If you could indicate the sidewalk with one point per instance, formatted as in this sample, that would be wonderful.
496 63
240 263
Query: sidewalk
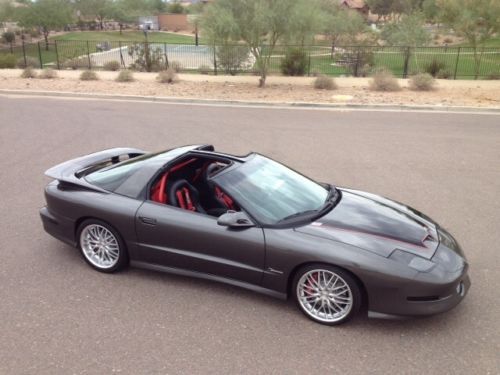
278 89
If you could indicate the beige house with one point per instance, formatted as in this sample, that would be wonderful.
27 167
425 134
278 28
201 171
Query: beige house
357 5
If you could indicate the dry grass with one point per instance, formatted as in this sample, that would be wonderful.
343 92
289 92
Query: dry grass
384 80
125 76
48 74
324 83
88 75
168 76
29 72
422 82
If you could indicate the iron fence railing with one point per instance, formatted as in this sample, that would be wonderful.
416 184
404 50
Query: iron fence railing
444 62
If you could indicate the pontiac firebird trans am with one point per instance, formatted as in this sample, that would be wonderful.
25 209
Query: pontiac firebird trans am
252 222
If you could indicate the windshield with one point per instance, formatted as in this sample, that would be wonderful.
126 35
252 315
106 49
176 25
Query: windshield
270 191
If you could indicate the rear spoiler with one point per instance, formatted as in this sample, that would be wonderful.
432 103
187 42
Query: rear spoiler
71 170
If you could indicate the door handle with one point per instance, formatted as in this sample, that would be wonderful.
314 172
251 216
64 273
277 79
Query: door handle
147 220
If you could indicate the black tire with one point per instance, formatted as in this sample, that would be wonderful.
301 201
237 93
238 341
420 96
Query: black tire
121 250
306 299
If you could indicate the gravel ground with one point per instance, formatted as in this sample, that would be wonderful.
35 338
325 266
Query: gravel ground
278 89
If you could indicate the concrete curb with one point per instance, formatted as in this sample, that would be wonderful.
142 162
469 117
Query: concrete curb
257 104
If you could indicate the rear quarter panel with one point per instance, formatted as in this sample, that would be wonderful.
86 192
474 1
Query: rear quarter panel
71 205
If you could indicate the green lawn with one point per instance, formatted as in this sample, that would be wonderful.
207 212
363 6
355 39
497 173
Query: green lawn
129 36
454 59
493 42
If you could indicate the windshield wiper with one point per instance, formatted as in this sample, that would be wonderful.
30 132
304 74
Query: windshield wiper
298 214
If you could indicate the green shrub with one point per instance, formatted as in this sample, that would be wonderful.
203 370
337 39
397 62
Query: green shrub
88 75
9 37
231 58
147 58
434 67
444 74
48 74
384 80
76 63
7 61
125 76
422 82
112 65
29 72
324 83
34 33
30 61
294 63
176 66
167 76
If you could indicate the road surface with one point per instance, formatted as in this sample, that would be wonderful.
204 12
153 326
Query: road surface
58 316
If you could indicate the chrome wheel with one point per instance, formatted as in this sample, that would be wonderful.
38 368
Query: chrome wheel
324 295
99 246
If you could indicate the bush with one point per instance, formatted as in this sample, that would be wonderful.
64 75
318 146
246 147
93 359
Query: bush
324 83
34 33
383 80
48 74
176 66
422 82
231 58
360 62
294 63
146 58
28 72
448 40
30 61
204 69
167 76
76 63
125 76
7 61
9 37
112 65
88 75
434 67
493 76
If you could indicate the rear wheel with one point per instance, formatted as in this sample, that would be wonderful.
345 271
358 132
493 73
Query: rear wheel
102 246
326 294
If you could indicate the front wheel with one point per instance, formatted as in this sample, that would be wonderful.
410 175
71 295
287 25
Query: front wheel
102 246
326 294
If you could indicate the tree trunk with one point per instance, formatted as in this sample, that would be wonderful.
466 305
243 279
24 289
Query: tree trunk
262 80
477 62
46 37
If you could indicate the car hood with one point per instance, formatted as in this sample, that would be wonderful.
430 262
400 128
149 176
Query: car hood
376 224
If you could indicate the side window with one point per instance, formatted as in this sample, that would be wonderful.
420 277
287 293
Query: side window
187 185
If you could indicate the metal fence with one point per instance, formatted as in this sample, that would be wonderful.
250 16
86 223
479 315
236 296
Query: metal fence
444 62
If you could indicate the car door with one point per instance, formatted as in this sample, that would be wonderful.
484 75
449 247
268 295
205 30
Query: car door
174 237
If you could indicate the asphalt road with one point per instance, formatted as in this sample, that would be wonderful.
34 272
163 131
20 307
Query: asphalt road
58 316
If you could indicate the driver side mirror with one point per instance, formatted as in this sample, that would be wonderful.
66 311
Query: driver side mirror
235 219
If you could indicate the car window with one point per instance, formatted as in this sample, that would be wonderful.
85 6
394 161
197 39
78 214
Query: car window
270 191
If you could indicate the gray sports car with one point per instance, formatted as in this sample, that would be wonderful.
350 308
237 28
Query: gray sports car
252 222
